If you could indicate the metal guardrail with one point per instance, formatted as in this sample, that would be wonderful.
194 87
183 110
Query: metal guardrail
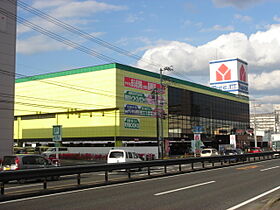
44 173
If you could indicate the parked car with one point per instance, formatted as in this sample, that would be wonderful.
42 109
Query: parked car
26 161
254 150
208 152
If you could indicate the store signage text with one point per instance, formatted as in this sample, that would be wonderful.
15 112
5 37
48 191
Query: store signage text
132 123
141 84
142 97
231 86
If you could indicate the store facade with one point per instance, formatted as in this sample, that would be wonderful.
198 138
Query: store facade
116 104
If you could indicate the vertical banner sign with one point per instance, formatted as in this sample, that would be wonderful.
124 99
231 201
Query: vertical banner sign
57 132
196 136
233 140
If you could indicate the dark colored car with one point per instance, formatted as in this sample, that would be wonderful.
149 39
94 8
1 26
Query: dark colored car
26 161
234 152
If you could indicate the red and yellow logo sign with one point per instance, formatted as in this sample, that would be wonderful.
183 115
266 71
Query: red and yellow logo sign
223 73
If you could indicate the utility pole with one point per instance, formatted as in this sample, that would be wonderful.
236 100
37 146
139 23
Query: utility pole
155 97
161 114
255 124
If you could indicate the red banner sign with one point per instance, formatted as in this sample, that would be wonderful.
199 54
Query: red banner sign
141 84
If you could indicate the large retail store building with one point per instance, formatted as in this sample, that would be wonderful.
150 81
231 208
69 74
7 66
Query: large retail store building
118 104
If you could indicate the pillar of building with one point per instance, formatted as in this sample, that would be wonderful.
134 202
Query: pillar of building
7 74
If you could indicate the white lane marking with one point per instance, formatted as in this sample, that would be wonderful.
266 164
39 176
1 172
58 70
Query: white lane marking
183 188
254 198
270 168
114 185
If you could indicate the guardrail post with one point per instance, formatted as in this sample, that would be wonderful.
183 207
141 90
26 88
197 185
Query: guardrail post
213 164
2 188
149 171
78 179
129 173
192 166
180 167
254 159
45 183
222 162
259 157
106 176
165 169
203 166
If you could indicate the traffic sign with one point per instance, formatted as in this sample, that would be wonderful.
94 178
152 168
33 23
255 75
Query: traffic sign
198 129
57 132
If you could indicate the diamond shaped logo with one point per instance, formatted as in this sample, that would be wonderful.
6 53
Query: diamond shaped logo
223 73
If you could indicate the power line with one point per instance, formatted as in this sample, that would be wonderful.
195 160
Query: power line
80 33
57 37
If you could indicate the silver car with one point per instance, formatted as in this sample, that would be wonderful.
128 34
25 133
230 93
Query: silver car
22 161
26 161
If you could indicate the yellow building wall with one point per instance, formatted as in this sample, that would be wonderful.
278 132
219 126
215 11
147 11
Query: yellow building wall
91 124
67 95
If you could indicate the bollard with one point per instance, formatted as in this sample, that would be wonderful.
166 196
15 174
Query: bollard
2 188
45 183
78 179
129 174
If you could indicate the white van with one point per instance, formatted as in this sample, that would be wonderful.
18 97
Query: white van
208 152
122 156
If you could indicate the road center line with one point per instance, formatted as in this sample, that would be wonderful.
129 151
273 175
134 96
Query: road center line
269 168
254 198
184 188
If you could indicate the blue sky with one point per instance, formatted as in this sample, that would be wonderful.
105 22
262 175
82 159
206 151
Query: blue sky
186 34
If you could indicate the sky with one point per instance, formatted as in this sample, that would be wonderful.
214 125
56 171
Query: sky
151 34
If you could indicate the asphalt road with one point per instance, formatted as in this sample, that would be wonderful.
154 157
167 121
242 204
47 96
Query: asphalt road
222 188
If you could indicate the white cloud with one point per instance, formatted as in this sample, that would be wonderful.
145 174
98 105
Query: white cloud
276 18
83 9
72 12
38 43
188 23
218 28
241 4
261 50
43 4
265 80
132 18
243 18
